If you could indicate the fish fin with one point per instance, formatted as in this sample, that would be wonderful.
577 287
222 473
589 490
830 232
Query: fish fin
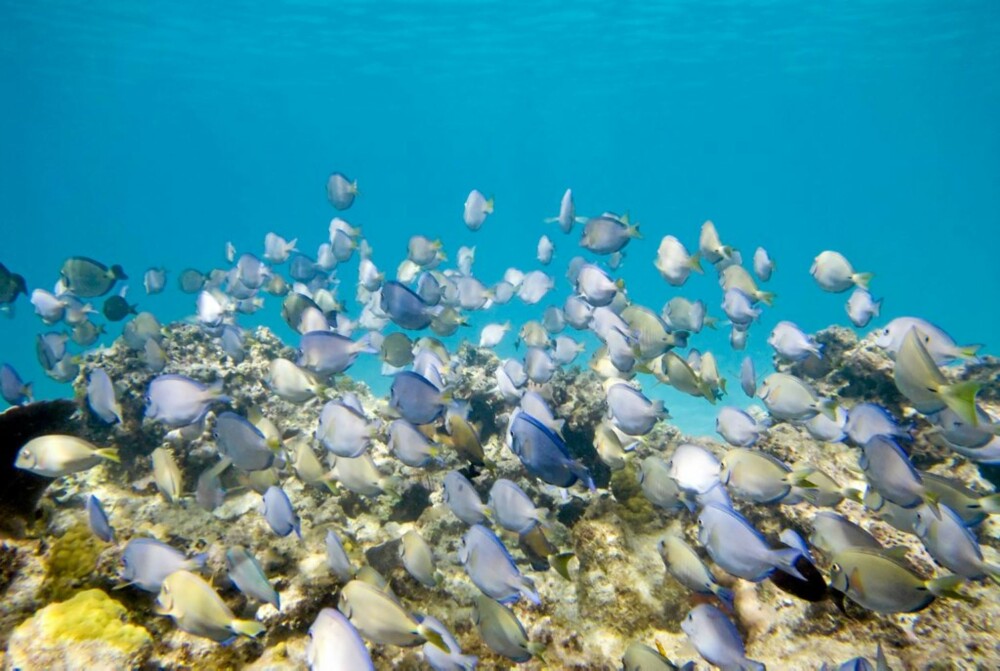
118 272
750 665
560 562
550 220
633 231
526 586
800 478
785 560
947 586
620 283
27 391
433 637
766 297
897 552
248 628
853 494
726 596
969 351
828 407
863 279
109 453
961 399
854 580
536 649
694 263
582 474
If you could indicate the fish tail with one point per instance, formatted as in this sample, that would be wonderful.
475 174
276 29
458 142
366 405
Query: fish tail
961 399
488 207
197 561
766 297
969 351
990 504
248 628
109 453
633 231
862 279
726 596
750 665
947 586
550 220
785 560
27 391
118 272
800 478
694 263
433 637
560 562
537 649
354 188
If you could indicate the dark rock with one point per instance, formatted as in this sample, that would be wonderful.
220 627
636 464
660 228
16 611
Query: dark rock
411 504
385 557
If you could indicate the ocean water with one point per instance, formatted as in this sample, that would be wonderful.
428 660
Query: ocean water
150 134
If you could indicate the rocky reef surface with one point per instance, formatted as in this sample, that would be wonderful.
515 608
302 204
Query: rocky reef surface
64 607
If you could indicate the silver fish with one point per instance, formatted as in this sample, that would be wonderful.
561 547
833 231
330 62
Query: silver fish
491 567
249 577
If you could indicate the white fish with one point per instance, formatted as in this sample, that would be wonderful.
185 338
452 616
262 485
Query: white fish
56 455
835 274
763 266
534 286
791 343
545 250
674 262
737 427
102 398
941 346
277 249
477 208
335 645
861 307
711 247
492 334
567 213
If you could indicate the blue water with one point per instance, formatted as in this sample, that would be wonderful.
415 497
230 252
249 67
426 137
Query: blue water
150 134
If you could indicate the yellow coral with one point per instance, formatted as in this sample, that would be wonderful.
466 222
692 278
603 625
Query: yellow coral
89 616
72 559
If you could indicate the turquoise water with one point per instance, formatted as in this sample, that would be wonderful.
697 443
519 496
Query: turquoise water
151 134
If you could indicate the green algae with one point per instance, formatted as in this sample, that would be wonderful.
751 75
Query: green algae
92 615
634 508
72 559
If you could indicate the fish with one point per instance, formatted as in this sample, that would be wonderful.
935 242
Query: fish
249 577
748 377
343 429
243 443
176 400
502 632
759 477
101 397
608 233
693 468
789 398
791 344
208 491
641 657
405 308
462 499
939 345
544 454
918 378
146 563
327 354
738 307
567 213
534 286
453 659
657 485
49 307
86 278
867 420
11 286
610 448
197 609
410 445
492 334
681 314
154 280
336 557
711 247
630 410
674 262
359 475
833 533
951 544
835 274
13 389
738 548
341 191
970 506
491 568
891 474
279 513
884 584
335 645
595 286
861 307
191 281
512 508
763 266
277 249
380 618
56 455
167 475
715 638
97 519
416 398
545 250
116 308
477 208
464 437
684 564
292 383
418 558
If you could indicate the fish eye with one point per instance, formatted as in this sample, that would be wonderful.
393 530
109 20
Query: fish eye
835 568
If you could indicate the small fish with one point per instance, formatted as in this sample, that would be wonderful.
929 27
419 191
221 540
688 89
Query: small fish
951 544
608 233
380 618
491 568
335 645
828 430
477 208
688 569
658 486
492 334
154 280
609 446
101 397
87 278
12 388
711 247
738 306
595 286
415 398
918 378
98 520
736 277
867 420
534 286
292 383
512 508
502 632
684 315
464 437
748 377
359 475
789 398
418 558
738 548
545 250
630 410
116 308
191 281
641 657
279 513
835 274
891 474
243 443
453 659
791 344
737 427
763 266
971 506
341 191
567 213
674 262
336 557
715 638
167 475
208 492
147 562
884 584
694 468
48 306
544 454
178 401
410 445
861 307
462 499
941 346
56 455
11 286
249 577
833 533
404 307
759 477
198 610
86 333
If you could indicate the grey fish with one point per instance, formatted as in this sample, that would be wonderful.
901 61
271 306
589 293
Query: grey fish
715 638
737 427
154 280
415 398
608 233
687 568
658 486
502 631
191 281
891 474
208 491
630 410
243 443
279 513
453 659
942 347
343 429
146 562
380 618
951 544
512 508
249 577
918 378
12 388
641 657
418 558
738 548
567 213
491 567
867 420
404 307
97 519
410 445
177 400
886 585
335 645
86 333
462 499
336 557
326 353
198 610
101 397
341 191
833 533
87 278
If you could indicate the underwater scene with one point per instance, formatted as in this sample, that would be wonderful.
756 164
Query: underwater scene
487 335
